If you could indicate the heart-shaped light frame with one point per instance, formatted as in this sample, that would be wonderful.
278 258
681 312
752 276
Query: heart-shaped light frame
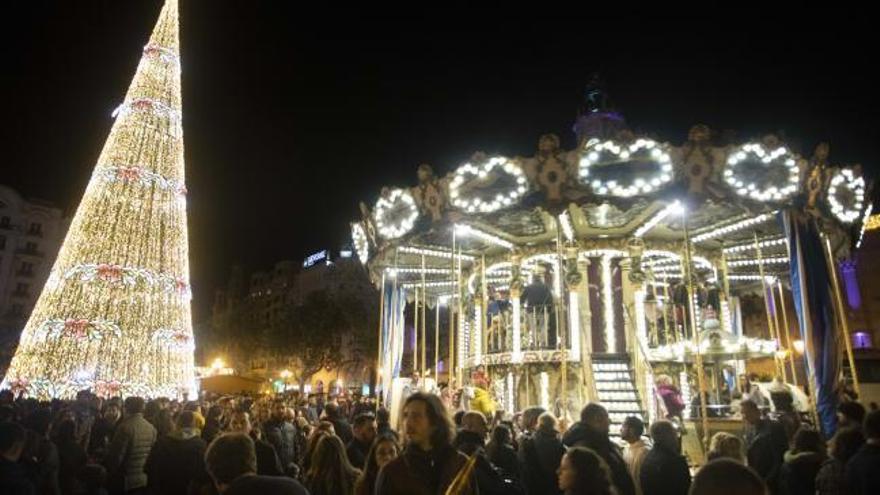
501 200
609 152
846 178
396 198
757 152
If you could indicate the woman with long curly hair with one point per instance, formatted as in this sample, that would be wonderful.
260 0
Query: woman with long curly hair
583 472
384 450
330 472
323 429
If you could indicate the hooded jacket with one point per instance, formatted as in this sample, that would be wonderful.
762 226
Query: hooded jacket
798 473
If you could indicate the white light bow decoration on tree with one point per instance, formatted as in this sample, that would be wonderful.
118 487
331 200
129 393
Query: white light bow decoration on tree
489 186
396 214
754 172
608 157
846 195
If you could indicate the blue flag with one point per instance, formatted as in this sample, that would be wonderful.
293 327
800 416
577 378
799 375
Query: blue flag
813 294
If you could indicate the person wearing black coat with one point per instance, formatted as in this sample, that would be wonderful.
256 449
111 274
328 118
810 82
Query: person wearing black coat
501 453
664 470
13 479
340 425
539 456
862 472
766 443
470 440
592 432
40 456
176 463
213 424
267 459
364 434
103 429
281 434
71 456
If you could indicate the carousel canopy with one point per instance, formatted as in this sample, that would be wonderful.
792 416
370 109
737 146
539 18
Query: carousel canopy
613 188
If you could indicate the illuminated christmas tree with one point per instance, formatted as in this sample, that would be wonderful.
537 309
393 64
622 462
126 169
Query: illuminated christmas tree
114 315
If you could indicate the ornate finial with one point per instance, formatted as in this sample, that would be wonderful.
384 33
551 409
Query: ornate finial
596 117
595 97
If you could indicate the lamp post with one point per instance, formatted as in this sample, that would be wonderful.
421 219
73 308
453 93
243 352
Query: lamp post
217 366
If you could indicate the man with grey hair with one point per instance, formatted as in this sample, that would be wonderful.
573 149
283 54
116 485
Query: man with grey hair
664 470
540 455
232 463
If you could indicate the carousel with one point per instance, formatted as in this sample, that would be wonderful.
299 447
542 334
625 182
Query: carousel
588 274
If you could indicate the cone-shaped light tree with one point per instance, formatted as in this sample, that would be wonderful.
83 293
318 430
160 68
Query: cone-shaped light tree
114 315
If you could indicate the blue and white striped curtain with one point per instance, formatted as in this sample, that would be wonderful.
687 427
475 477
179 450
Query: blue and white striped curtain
814 302
392 336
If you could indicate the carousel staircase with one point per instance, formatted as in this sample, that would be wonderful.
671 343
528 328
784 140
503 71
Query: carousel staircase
615 385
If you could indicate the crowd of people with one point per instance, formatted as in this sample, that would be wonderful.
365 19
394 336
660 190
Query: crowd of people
328 446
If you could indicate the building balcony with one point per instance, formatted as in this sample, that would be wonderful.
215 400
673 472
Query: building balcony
30 252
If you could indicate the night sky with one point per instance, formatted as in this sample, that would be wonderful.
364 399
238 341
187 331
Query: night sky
292 117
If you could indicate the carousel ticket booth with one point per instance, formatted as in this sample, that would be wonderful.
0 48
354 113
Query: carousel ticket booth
591 274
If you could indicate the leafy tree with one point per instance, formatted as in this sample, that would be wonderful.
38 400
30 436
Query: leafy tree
312 331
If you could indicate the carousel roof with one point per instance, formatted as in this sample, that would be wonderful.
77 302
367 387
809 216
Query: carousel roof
615 186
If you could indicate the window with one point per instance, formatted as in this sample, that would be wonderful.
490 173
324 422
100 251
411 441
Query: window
17 310
4 222
2 242
31 247
21 288
26 268
36 228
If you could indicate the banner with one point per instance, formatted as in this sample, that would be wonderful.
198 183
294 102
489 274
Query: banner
392 336
813 294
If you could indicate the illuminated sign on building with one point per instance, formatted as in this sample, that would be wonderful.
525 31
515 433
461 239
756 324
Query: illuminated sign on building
320 256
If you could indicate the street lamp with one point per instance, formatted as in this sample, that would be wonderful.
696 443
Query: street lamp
217 365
